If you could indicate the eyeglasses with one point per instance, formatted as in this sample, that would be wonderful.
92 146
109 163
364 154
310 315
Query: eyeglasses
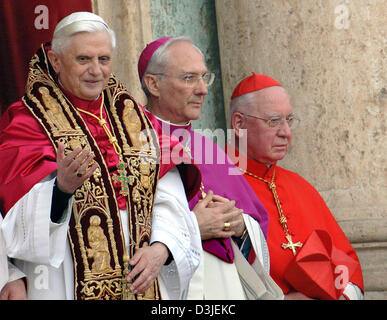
277 122
192 79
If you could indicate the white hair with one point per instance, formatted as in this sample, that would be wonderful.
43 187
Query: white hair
159 60
245 102
241 103
75 23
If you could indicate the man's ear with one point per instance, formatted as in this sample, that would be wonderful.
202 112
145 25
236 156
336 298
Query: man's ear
238 123
53 57
152 83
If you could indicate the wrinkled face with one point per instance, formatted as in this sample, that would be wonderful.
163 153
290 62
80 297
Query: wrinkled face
178 102
85 65
265 144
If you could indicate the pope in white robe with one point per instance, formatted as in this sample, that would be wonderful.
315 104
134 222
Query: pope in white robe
41 247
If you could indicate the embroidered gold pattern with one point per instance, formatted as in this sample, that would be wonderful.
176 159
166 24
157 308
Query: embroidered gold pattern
96 236
98 247
55 116
133 126
126 294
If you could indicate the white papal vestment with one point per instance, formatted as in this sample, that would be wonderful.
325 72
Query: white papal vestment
41 248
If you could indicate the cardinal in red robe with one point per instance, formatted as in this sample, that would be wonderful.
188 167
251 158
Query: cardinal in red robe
310 256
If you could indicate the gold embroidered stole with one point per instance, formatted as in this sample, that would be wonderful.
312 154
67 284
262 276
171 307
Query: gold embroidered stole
95 231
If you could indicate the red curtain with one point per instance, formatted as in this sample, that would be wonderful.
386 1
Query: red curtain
24 25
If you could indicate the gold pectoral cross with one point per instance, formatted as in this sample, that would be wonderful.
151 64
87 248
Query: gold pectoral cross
123 179
290 245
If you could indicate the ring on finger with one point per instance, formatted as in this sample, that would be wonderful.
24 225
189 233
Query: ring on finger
226 226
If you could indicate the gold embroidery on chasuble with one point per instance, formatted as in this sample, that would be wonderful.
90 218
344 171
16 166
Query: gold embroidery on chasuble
95 232
98 246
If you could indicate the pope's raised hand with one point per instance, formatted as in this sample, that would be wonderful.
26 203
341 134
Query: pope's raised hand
73 169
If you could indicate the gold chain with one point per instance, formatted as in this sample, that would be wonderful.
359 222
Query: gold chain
282 219
102 122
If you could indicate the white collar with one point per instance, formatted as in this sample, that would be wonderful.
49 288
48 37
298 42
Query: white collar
168 122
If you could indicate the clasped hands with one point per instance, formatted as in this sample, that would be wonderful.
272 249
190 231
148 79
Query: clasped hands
74 169
214 212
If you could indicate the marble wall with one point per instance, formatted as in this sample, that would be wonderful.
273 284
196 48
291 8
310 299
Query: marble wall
331 57
197 20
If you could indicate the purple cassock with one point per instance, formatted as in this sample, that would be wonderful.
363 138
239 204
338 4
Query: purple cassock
221 176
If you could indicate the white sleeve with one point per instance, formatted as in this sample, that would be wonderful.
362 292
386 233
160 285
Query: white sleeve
258 241
3 260
353 292
28 231
14 272
8 272
176 226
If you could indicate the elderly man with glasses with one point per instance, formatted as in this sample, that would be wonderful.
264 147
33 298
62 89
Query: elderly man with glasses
175 79
303 234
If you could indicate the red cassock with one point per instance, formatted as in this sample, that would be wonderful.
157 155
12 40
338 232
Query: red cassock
326 251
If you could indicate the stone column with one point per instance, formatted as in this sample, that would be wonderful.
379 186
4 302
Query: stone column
331 57
130 19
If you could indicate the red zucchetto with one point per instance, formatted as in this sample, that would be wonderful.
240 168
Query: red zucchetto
253 83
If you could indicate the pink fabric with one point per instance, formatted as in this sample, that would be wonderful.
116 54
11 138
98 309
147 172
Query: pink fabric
172 153
216 176
26 155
